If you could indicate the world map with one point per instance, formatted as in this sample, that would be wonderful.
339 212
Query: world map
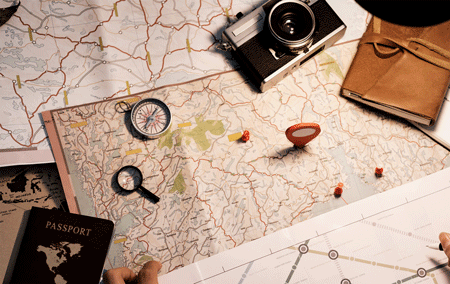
57 254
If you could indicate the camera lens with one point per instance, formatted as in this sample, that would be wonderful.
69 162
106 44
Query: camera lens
288 24
292 24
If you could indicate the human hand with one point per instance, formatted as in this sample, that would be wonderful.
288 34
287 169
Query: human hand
444 238
122 275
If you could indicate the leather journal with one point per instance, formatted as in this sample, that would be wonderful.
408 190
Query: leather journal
401 70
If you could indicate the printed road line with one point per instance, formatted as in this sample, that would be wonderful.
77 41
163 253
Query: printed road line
385 265
318 252
244 275
373 263
18 149
363 261
295 266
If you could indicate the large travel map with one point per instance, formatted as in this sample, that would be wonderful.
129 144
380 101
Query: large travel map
217 193
55 54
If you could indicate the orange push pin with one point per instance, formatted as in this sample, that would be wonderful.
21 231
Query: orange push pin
378 172
338 190
302 133
246 136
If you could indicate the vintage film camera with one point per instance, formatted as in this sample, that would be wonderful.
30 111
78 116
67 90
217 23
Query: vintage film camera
280 36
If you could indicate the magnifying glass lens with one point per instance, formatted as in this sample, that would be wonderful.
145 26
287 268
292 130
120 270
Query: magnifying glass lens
129 178
129 182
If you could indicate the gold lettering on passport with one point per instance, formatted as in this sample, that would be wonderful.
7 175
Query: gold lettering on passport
68 228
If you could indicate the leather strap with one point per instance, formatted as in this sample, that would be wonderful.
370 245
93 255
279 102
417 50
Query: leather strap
399 44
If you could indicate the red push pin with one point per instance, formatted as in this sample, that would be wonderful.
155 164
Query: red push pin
338 190
246 136
302 133
378 172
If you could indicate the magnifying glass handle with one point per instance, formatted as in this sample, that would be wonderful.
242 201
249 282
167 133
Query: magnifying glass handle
152 197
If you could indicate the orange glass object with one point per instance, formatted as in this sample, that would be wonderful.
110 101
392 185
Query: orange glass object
302 133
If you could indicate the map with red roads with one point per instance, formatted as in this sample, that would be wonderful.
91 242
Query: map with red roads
216 193
64 53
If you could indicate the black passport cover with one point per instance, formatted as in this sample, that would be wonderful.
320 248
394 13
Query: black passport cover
60 247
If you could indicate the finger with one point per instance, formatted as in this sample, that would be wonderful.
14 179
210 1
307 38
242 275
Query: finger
444 238
119 275
149 273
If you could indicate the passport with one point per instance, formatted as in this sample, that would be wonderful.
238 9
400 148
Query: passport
61 247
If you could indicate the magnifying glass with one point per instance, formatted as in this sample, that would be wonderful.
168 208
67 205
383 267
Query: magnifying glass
129 178
302 133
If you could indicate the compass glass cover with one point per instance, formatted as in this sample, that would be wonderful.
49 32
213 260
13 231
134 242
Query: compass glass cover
151 117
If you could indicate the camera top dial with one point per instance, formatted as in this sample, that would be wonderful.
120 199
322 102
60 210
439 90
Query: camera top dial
292 24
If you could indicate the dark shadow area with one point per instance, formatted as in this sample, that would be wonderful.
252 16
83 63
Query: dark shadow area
417 13
289 151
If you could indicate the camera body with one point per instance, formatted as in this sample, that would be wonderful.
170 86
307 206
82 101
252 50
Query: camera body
279 36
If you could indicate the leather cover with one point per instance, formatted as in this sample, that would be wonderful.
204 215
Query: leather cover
403 68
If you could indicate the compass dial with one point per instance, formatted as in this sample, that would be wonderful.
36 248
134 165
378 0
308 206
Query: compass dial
151 117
